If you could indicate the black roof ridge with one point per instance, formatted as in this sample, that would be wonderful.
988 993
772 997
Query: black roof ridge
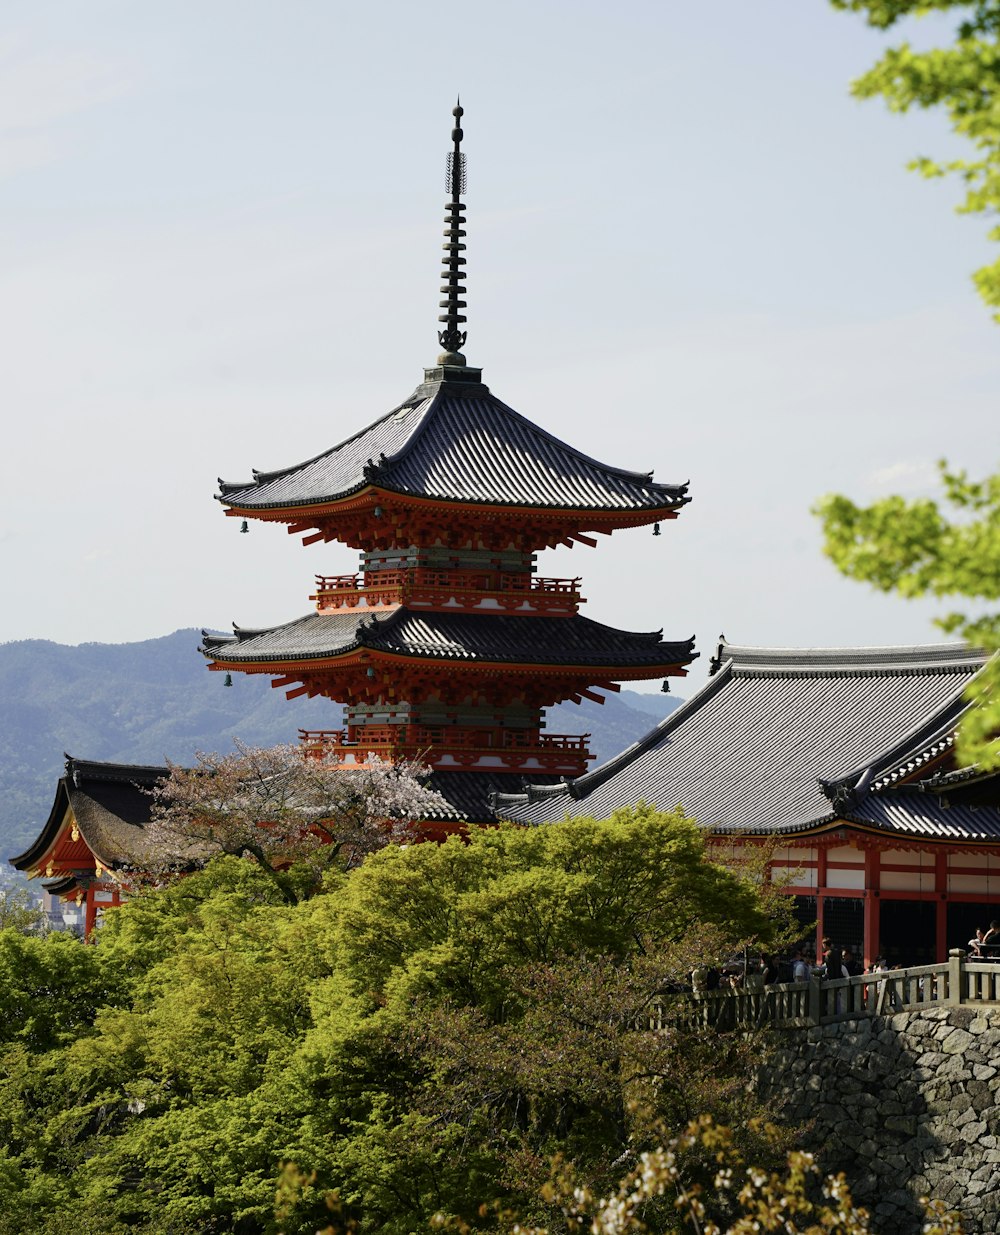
444 392
595 777
363 618
873 659
127 773
75 771
436 394
262 478
937 782
634 634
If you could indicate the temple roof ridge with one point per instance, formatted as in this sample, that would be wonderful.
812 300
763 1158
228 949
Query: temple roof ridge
625 473
765 751
578 786
227 487
112 770
841 661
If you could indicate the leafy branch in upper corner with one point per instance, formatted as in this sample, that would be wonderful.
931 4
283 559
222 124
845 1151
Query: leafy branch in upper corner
964 79
940 548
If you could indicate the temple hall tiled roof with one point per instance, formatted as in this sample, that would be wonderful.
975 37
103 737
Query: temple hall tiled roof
490 638
110 803
780 740
454 441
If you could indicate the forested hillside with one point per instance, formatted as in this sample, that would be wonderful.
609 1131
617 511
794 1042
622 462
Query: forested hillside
155 700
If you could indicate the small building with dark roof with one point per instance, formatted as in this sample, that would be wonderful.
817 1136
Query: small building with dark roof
95 831
844 759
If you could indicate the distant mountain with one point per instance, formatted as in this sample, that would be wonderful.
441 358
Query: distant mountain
155 700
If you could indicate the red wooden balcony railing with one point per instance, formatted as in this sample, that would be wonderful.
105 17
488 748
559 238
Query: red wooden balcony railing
437 586
436 743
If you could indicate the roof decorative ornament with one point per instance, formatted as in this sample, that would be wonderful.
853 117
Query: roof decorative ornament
452 339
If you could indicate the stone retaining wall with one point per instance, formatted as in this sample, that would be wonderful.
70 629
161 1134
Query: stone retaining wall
906 1105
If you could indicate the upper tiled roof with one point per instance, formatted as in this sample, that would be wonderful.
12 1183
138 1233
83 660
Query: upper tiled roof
452 440
493 638
779 740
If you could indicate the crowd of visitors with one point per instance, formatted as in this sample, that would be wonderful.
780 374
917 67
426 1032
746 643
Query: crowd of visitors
754 973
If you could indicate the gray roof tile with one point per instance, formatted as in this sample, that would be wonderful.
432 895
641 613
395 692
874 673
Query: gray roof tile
457 442
758 748
492 638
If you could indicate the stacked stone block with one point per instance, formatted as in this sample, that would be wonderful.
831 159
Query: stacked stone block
908 1106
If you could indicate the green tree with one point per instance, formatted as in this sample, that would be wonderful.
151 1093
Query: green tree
489 1006
940 548
19 911
422 1034
964 79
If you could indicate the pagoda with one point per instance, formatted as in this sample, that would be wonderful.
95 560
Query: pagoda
446 646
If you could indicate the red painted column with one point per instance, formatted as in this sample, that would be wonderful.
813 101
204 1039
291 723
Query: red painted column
941 907
873 905
90 914
821 853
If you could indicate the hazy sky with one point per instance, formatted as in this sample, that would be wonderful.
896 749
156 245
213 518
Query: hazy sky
689 250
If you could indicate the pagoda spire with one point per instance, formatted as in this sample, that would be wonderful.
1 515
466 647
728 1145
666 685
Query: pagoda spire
452 339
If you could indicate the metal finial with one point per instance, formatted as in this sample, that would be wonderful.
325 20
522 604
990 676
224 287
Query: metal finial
452 339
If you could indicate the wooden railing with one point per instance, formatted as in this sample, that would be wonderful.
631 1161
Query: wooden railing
383 584
381 738
822 1002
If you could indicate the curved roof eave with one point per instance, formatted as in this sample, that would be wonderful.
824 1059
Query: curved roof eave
49 833
260 478
378 470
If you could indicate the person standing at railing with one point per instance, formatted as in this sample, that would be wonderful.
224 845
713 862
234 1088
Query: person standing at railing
833 961
887 991
975 944
801 969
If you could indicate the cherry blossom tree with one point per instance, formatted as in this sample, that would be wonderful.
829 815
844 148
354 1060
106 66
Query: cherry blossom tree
293 812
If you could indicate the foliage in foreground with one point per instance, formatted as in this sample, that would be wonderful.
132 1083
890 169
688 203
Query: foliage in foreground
795 1199
423 1036
667 1190
964 80
930 548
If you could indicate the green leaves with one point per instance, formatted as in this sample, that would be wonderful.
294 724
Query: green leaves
949 547
964 79
420 1036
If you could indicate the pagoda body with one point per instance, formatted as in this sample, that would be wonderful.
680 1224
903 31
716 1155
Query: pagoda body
446 646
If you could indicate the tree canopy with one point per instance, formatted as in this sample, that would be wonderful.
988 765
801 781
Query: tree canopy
964 80
421 1036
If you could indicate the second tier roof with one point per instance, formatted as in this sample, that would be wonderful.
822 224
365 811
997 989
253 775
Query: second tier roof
478 638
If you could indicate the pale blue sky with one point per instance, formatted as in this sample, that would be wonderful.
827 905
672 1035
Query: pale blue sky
689 250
